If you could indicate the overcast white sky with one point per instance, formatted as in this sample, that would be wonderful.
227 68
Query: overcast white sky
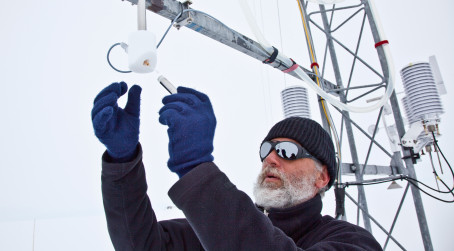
53 65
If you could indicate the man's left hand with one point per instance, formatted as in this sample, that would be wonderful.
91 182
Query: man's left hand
192 123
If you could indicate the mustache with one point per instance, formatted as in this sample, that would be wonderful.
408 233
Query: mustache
267 171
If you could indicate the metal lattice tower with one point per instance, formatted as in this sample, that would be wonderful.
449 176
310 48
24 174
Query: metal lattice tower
323 26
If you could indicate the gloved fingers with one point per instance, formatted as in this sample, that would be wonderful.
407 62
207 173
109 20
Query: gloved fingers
110 100
177 106
203 97
101 119
133 105
186 98
118 88
170 112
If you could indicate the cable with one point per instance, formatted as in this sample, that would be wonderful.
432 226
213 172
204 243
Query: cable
433 169
280 36
438 157
414 182
108 59
433 189
438 147
170 26
442 200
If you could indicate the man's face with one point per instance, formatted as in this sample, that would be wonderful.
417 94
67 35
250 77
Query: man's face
284 183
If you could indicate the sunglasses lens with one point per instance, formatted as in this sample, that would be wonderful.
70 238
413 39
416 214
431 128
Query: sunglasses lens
265 149
287 150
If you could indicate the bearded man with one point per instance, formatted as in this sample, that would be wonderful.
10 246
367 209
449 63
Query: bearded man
298 164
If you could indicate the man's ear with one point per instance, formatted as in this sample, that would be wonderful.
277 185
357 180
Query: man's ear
323 178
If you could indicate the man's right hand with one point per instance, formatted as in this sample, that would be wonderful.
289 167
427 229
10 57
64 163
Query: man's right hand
117 128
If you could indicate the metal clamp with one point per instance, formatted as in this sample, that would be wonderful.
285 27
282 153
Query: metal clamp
188 19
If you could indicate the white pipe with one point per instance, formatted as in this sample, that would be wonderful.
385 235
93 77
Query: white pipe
253 25
141 15
262 41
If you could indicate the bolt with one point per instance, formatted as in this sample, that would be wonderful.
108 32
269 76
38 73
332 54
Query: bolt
189 20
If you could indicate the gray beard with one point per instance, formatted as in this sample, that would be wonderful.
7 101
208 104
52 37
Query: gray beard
293 191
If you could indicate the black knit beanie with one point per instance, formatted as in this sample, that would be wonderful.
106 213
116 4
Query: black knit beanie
311 136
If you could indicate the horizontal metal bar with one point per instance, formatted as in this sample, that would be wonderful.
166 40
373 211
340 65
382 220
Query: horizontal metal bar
373 181
361 86
349 169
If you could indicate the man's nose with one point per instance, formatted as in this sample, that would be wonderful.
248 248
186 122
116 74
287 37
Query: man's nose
273 159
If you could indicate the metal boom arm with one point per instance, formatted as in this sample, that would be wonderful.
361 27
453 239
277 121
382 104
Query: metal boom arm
211 28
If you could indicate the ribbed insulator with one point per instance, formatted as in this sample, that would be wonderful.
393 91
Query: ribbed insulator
295 102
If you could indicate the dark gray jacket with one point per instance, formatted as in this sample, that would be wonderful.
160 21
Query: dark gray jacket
218 216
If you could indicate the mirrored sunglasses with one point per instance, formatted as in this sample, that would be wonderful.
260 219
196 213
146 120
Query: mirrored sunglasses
285 149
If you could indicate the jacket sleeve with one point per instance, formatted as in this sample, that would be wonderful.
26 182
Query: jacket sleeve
131 221
223 217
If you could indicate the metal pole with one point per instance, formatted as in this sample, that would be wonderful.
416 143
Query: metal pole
424 228
348 125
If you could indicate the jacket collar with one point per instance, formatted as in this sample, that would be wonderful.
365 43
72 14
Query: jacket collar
296 221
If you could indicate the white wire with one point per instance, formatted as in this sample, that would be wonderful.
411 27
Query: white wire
266 46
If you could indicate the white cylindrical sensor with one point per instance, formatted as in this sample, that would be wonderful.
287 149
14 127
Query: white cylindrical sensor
142 51
295 102
423 100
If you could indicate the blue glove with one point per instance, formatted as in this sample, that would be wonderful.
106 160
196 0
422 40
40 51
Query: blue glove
117 128
191 122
